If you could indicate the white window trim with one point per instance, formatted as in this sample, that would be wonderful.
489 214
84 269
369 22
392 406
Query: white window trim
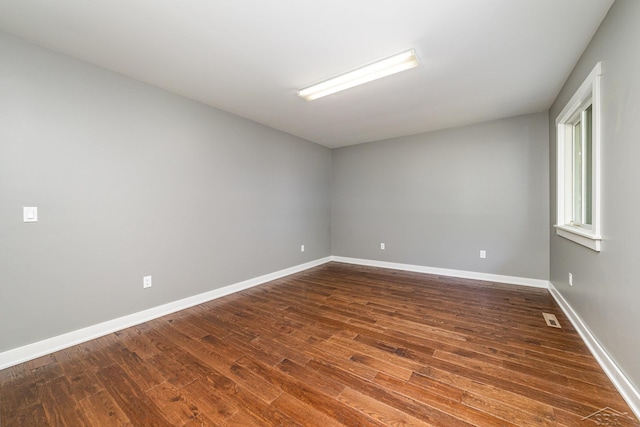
589 91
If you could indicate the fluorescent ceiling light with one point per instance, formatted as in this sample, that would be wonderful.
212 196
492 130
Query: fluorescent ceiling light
386 67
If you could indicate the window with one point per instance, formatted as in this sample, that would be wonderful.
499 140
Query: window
578 136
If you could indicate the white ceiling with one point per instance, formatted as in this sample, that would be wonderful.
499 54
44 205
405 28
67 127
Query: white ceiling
480 59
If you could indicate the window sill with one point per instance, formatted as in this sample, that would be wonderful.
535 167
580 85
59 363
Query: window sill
579 236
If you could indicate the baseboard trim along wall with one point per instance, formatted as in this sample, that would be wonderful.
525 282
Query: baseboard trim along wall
41 348
50 345
513 280
628 391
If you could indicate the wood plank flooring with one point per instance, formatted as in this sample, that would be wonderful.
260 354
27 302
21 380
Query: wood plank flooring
334 345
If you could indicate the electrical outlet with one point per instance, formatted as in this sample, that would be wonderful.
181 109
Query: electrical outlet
146 282
483 254
570 279
382 246
30 214
301 248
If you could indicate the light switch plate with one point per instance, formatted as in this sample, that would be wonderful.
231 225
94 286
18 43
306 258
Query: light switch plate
30 214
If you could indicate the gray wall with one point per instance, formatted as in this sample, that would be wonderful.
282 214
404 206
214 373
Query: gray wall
606 291
437 199
131 181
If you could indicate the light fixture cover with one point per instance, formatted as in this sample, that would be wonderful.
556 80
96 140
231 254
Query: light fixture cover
385 67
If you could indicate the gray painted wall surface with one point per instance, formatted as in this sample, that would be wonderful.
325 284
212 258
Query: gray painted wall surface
437 199
131 181
606 291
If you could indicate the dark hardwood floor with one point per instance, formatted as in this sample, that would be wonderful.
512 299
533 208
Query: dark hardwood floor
334 345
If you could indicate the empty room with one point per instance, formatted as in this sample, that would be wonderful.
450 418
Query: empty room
338 213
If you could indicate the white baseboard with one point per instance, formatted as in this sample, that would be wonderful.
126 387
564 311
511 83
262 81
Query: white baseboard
31 351
60 342
513 280
628 391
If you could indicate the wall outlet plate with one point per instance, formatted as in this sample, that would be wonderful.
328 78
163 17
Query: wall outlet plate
146 282
30 214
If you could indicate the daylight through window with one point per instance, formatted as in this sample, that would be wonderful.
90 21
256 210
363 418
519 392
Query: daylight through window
578 127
